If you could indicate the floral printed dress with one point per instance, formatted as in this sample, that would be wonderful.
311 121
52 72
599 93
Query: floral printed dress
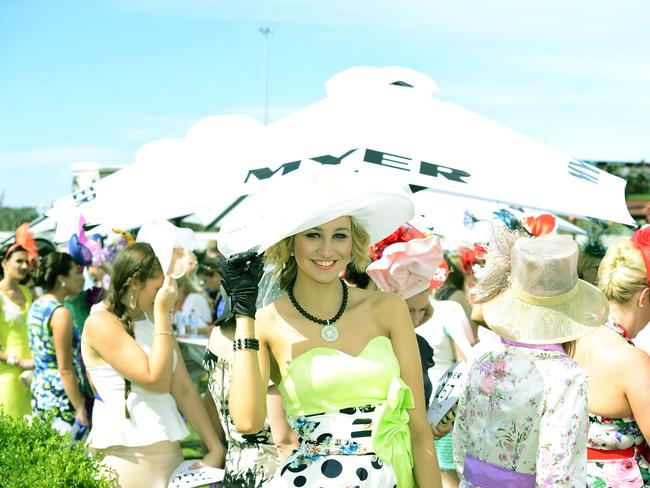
617 434
251 458
522 418
48 394
350 416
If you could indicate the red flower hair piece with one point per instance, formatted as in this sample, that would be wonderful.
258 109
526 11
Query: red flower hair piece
470 257
540 225
641 239
25 240
403 234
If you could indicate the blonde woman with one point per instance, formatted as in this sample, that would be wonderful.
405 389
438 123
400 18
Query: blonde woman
344 359
619 373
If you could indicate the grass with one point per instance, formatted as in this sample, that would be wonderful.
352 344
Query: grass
192 446
638 197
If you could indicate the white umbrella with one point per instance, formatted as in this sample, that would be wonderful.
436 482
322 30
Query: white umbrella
388 121
384 121
169 178
466 220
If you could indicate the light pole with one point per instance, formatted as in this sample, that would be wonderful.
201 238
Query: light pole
265 32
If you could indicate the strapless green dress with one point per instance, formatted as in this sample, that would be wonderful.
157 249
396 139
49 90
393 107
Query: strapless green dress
350 416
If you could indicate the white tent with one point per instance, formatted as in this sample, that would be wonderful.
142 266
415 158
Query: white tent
385 121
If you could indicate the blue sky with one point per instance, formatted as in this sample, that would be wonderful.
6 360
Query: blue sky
96 79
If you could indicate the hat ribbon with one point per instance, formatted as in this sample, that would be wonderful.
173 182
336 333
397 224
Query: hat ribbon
545 301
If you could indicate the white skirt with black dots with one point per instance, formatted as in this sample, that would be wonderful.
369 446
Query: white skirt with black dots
335 451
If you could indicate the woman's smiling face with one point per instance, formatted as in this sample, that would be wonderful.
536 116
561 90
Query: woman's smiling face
322 252
16 266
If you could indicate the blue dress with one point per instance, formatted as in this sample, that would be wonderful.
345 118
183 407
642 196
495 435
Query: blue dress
48 394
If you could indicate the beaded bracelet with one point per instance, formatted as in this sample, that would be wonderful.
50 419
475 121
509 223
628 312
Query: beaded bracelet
247 343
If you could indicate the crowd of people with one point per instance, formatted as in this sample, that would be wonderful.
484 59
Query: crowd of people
331 327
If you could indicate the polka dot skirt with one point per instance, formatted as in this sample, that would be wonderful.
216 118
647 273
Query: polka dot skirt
335 452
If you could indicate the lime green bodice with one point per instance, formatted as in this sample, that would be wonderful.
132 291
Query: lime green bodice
326 380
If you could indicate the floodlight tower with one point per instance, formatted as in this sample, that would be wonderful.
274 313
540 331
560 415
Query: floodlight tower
265 32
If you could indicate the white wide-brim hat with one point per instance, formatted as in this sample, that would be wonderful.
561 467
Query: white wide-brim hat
164 237
310 197
546 303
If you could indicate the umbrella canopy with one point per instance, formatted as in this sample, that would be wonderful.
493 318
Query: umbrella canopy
383 121
468 220
388 121
169 178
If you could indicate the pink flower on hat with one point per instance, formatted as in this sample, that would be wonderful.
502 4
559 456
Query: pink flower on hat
406 268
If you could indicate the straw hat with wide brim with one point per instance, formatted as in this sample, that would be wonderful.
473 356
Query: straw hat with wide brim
311 197
546 303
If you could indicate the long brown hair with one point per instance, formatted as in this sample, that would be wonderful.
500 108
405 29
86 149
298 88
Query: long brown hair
136 263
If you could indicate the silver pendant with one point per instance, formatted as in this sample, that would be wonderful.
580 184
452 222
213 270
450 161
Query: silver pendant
329 333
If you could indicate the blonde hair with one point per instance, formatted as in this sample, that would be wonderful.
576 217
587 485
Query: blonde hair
188 285
280 256
587 262
622 271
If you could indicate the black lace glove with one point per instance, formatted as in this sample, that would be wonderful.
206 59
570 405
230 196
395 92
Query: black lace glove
241 279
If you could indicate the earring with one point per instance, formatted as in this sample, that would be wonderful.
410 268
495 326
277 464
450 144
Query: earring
132 303
63 284
292 254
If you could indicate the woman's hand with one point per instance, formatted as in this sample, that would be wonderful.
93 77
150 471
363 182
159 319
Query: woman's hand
167 295
445 426
214 459
26 364
241 279
82 416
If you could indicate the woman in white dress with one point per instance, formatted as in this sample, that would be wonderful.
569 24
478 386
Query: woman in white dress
138 373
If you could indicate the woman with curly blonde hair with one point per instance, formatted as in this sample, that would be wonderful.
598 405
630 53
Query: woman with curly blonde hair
345 360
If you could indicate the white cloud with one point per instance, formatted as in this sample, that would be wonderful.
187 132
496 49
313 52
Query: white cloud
39 176
61 156
618 69
149 127
575 20
499 100
257 111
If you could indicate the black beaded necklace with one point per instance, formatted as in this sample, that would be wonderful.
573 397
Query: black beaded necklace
329 332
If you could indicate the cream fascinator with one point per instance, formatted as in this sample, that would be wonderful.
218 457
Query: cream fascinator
531 292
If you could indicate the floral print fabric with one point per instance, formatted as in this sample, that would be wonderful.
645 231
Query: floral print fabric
251 458
616 434
48 394
336 450
525 410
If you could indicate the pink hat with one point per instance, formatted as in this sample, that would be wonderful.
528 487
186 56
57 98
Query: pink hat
407 268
